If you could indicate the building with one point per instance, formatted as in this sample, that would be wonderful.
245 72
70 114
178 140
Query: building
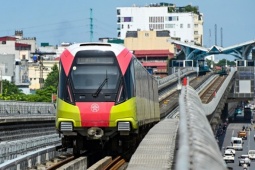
20 66
152 49
7 66
39 70
184 23
21 48
36 72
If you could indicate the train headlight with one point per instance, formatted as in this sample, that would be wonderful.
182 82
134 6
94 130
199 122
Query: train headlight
66 126
123 126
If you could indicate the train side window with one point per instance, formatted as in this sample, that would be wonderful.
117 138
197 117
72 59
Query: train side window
69 95
121 95
129 80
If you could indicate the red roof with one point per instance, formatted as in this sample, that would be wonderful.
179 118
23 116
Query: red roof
155 64
152 52
22 45
8 38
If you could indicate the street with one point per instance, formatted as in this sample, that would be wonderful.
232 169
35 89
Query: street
225 140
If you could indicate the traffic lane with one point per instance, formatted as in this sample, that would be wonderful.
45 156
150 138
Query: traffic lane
232 131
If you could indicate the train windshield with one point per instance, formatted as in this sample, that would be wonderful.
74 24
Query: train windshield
95 71
92 77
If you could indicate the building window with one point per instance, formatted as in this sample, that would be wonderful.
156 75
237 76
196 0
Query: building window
196 32
3 42
150 26
195 25
23 57
127 19
118 11
162 19
172 18
146 34
170 25
156 19
188 25
181 25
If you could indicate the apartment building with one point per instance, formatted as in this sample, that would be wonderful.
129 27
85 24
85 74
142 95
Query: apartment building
183 23
20 48
39 71
152 49
17 61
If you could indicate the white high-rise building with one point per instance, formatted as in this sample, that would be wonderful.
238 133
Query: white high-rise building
184 23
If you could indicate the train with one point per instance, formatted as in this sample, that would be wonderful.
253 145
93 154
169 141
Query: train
106 99
203 67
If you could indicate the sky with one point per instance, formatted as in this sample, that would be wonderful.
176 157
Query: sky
57 21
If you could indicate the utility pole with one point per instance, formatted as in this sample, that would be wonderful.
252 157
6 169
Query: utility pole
215 34
209 38
221 33
41 80
91 25
1 92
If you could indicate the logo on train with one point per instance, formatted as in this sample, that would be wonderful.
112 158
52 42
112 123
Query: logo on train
94 107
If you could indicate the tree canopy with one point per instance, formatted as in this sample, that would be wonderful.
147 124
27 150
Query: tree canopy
222 62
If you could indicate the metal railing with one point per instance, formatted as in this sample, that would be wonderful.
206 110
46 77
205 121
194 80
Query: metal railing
13 149
197 145
20 108
196 140
174 76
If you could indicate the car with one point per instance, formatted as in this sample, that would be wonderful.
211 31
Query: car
251 154
244 159
237 143
231 148
242 134
228 156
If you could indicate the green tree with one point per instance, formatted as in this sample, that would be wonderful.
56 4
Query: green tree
221 62
52 78
190 8
11 92
10 88
45 94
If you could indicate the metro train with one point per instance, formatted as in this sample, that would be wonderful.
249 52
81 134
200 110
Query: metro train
106 98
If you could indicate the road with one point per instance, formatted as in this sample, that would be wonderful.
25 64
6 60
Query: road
225 140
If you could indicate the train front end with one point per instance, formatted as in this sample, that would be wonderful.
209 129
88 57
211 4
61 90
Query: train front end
93 102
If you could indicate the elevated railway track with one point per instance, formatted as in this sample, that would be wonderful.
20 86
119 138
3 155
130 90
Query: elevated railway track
171 102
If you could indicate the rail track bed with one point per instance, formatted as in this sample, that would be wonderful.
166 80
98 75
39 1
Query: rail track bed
22 130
